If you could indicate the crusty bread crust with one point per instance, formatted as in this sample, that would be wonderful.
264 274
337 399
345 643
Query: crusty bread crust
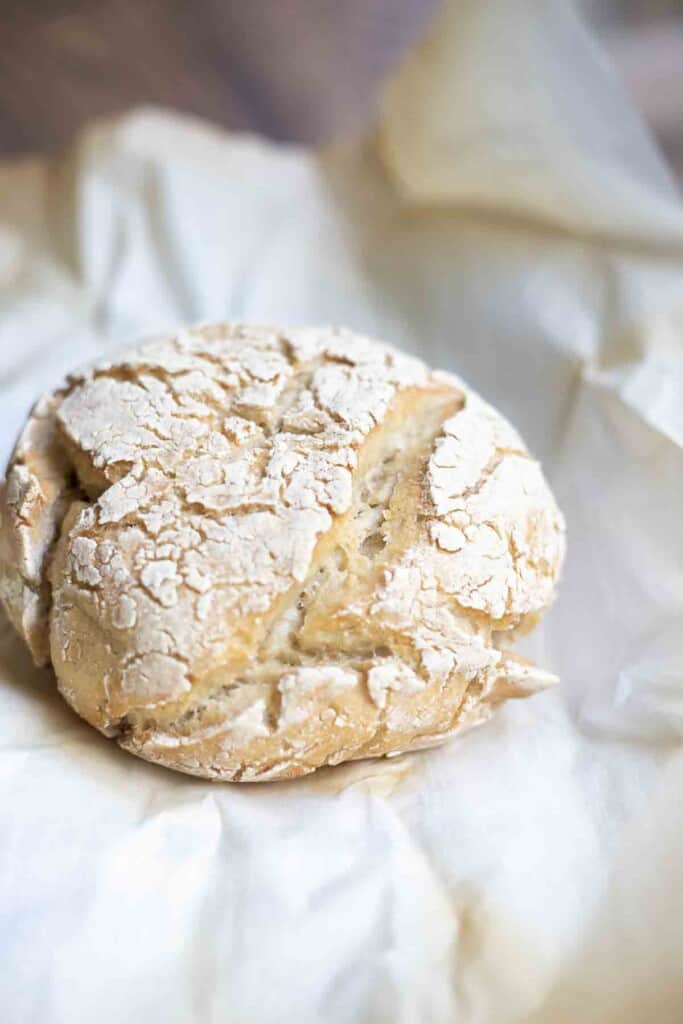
248 552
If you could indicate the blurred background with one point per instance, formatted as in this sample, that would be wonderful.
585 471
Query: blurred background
301 70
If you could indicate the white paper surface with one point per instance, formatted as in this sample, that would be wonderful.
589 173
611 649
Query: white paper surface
510 220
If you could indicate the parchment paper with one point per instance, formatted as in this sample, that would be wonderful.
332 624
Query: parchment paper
508 218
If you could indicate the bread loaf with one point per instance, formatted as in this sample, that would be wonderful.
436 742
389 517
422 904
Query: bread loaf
249 552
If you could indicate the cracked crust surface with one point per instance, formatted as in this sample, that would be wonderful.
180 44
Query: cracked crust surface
248 552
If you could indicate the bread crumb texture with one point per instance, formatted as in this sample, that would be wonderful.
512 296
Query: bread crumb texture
249 552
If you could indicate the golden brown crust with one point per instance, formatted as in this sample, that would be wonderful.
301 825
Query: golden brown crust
277 550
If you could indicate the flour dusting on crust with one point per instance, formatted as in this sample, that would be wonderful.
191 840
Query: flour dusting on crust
248 552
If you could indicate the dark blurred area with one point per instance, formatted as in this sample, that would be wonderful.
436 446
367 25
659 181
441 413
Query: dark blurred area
301 70
644 39
292 69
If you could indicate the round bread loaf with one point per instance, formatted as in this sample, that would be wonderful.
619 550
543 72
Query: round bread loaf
249 552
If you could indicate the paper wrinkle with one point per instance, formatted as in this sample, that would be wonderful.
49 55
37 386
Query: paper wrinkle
482 110
508 220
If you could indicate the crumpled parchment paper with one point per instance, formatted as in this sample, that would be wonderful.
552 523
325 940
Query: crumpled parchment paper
509 219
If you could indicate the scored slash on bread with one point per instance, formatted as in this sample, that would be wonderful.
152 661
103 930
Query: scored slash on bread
248 552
